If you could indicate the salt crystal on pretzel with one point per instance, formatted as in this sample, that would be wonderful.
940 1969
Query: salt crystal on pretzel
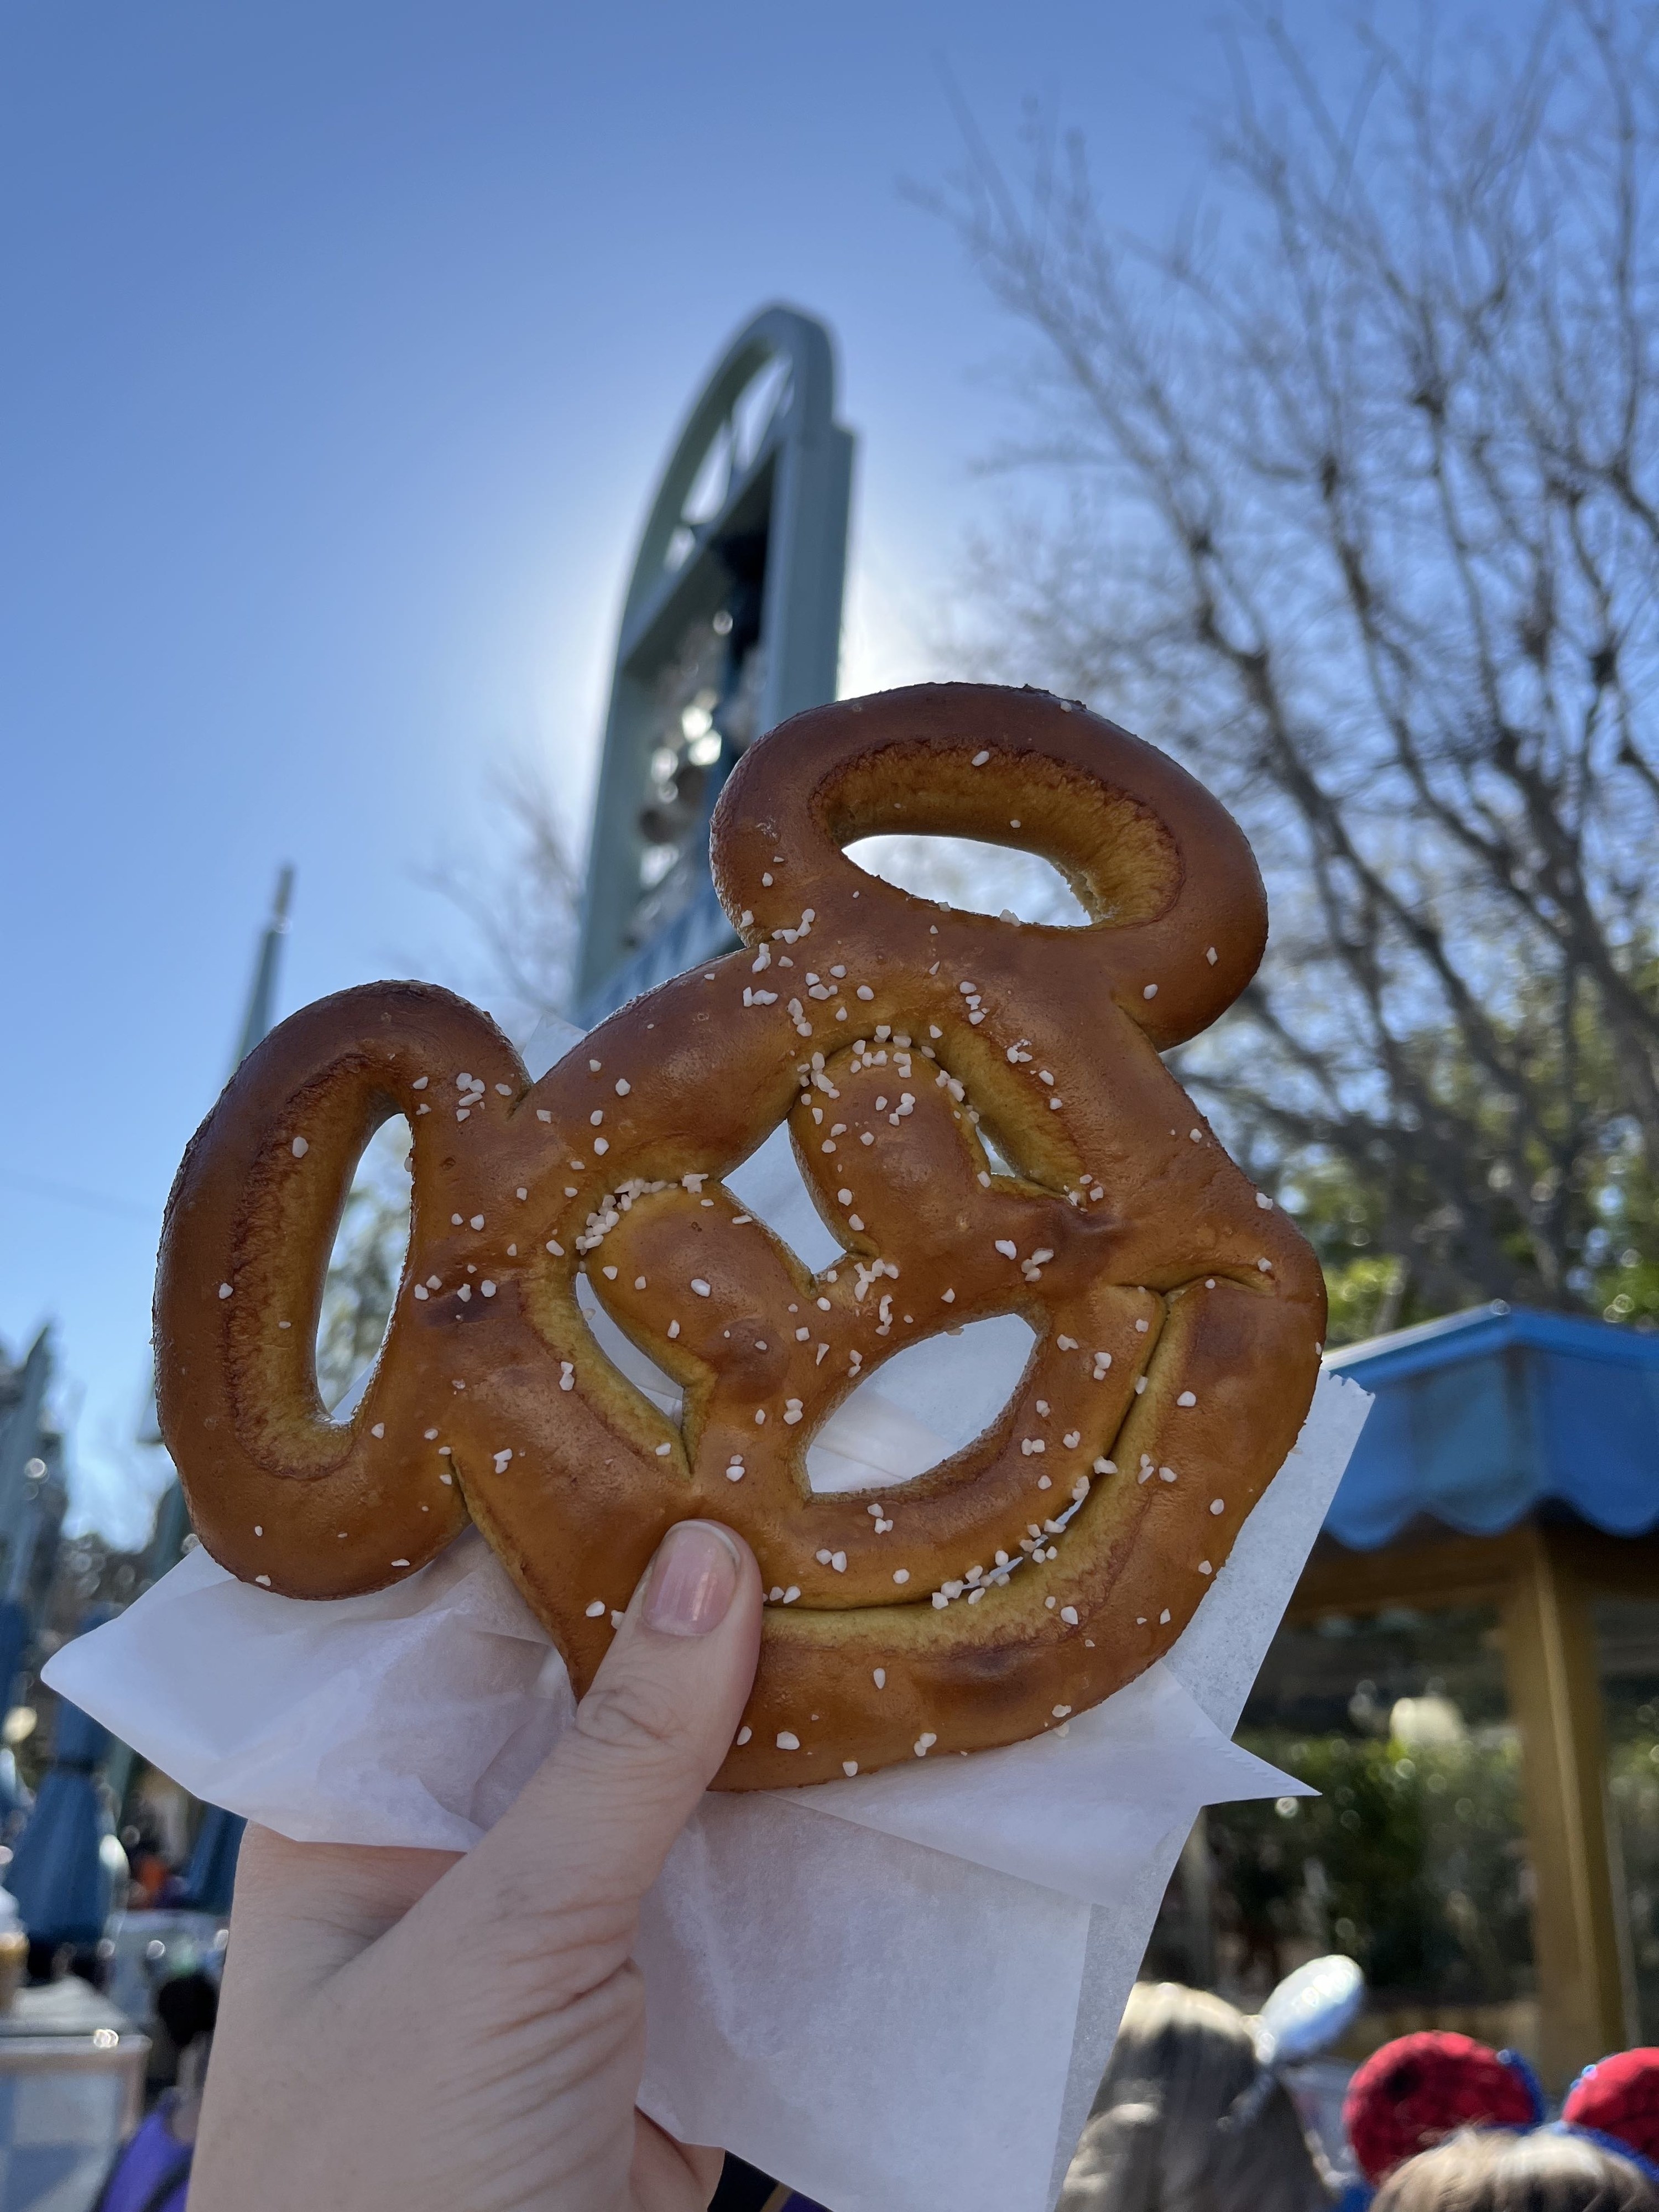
1177 1320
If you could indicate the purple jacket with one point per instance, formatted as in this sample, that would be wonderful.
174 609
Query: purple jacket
152 2172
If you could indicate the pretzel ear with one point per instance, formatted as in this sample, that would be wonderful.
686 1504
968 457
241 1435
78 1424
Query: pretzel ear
245 1249
1178 918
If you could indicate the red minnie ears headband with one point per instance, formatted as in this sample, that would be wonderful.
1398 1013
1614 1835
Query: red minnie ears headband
1618 2100
1416 2091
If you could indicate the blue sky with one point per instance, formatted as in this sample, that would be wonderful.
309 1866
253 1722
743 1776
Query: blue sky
343 343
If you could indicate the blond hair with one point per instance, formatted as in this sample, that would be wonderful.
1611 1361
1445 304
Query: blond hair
1488 2170
1167 2132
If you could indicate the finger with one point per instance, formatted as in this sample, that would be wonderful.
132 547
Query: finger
591 1830
354 1891
304 1910
666 2175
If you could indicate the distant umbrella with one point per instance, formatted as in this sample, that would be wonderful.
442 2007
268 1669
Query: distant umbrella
211 1875
58 1874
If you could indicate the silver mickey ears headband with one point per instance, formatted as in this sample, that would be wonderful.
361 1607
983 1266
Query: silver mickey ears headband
1304 2015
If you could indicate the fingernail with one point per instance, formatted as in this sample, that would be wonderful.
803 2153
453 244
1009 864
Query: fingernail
693 1579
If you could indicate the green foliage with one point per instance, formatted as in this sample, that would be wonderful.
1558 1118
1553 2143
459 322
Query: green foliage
1622 1246
1365 1298
1570 1216
1633 1784
1409 1860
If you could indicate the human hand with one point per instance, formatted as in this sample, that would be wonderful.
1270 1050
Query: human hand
408 2029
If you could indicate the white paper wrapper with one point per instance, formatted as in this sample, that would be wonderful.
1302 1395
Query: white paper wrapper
897 1991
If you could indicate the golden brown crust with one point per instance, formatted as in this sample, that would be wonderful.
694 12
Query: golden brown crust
1178 1315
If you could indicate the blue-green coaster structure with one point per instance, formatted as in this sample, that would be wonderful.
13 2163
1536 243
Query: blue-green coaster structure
731 622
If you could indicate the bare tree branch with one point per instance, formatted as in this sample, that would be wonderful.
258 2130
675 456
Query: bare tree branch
1358 512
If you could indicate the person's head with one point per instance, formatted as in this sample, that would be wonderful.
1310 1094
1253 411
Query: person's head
1421 2089
1174 2127
188 2008
1491 2170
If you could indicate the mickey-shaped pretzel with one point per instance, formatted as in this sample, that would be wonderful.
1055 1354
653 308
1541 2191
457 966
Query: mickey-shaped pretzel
1178 1315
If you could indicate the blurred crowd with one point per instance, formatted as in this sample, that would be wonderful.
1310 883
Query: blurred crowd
1192 2116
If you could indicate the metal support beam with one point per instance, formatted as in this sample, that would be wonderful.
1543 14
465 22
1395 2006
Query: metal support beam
731 623
1541 1578
20 1432
1555 1699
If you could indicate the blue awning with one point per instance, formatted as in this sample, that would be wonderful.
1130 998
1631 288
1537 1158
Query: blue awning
1483 1417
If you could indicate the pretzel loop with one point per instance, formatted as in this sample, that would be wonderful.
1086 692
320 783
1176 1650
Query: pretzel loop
1176 1314
244 1250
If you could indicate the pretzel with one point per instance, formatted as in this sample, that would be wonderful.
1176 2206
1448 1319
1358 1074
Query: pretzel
1178 1315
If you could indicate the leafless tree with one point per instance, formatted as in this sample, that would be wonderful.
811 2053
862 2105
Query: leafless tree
364 1265
523 902
1349 495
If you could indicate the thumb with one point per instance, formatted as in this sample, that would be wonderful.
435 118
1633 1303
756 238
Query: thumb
590 1831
